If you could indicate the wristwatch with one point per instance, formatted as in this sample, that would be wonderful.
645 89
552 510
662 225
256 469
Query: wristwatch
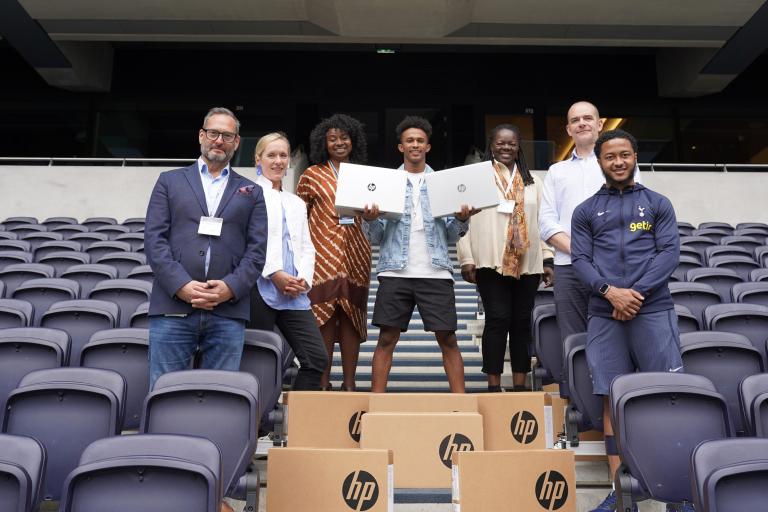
604 288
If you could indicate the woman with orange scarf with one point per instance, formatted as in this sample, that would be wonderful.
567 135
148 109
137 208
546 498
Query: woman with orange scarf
503 254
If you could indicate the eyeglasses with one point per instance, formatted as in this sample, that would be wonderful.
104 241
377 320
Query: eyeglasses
212 135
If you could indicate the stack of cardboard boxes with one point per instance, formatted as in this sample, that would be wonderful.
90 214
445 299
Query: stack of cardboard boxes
350 450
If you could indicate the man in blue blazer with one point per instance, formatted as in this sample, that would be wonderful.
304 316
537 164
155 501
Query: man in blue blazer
205 239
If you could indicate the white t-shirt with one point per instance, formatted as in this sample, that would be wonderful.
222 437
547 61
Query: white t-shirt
419 264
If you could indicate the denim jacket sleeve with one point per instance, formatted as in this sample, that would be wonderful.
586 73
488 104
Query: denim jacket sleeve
374 230
455 229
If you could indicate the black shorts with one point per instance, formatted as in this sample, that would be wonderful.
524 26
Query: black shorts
397 296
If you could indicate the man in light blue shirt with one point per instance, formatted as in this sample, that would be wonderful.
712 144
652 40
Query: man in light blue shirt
205 239
566 185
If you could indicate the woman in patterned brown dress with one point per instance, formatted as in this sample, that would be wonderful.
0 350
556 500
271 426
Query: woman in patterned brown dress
339 293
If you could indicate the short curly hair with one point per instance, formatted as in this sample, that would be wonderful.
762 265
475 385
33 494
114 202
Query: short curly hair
413 122
318 149
614 134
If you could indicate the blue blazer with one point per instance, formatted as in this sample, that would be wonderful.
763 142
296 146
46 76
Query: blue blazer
176 252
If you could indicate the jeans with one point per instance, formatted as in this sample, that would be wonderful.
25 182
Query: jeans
173 341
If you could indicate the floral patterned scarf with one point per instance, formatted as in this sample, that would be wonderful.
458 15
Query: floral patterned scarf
517 228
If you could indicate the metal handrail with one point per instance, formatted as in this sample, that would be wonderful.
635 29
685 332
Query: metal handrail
122 161
653 167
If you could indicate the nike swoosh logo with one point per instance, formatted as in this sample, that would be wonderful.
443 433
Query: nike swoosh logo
600 214
676 369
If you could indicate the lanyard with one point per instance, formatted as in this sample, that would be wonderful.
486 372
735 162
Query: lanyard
500 180
333 168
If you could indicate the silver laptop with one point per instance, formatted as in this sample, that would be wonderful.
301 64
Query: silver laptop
361 185
473 185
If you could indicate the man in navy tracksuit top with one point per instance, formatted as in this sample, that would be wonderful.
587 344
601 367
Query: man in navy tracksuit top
625 247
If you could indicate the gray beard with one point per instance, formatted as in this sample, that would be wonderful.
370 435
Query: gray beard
213 157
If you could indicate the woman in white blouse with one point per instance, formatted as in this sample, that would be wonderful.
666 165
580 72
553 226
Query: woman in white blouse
503 254
280 295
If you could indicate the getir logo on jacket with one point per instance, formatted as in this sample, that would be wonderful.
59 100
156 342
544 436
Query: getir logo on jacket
643 226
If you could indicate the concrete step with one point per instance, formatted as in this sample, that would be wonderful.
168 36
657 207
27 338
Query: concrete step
587 498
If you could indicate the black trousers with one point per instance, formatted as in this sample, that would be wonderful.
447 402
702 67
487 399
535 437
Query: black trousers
301 333
571 301
508 303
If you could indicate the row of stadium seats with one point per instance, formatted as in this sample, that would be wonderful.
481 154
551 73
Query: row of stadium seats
66 409
672 430
60 264
40 244
686 228
80 318
134 223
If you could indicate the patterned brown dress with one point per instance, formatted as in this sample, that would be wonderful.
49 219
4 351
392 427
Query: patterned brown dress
343 260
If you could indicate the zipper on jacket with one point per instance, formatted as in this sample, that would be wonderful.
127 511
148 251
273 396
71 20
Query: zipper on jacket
621 230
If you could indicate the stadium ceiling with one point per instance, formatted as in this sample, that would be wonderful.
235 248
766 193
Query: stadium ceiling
701 45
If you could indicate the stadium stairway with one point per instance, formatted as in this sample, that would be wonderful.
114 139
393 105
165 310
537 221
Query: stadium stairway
417 365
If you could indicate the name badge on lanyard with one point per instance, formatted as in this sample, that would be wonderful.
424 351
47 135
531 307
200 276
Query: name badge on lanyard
506 205
345 221
210 226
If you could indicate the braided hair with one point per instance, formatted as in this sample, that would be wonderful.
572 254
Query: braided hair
522 165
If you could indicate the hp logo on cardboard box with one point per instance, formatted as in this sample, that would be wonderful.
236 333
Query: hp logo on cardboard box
524 427
371 187
354 425
551 490
360 490
454 443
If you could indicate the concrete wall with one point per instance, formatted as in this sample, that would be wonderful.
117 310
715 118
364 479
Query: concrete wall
79 191
121 192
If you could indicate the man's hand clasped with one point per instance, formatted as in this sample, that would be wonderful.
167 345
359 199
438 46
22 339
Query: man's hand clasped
626 302
205 295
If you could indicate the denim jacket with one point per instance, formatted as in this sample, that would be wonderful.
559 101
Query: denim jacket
394 235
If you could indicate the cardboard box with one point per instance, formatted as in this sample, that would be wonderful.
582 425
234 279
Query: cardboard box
556 410
422 402
528 480
318 419
422 443
513 421
329 480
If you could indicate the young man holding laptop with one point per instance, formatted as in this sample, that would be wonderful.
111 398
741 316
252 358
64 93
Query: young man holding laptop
414 267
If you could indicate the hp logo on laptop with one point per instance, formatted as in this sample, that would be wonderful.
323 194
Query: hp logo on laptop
371 187
461 188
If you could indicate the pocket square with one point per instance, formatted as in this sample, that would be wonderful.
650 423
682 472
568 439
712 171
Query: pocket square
246 191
